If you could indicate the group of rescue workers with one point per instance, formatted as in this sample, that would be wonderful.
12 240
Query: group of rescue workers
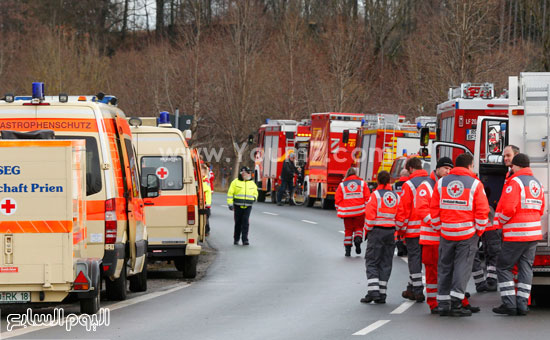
441 218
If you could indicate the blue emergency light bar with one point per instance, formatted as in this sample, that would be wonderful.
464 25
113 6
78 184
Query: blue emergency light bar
38 90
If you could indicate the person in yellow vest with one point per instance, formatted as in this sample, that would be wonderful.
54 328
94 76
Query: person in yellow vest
207 194
242 193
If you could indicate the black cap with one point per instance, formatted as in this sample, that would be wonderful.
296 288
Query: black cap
444 161
246 169
521 160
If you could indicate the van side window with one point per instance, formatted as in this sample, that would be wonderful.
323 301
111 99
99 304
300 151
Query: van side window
168 169
133 167
93 170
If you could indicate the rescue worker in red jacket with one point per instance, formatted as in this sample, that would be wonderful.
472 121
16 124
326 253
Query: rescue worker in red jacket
460 211
350 200
380 229
408 222
398 188
520 219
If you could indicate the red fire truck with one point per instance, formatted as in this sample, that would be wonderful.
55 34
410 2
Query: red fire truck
385 137
276 139
333 138
457 117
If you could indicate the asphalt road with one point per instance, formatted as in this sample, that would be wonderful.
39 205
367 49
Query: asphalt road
292 282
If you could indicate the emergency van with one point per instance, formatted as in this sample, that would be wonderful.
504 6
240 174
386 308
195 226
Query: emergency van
385 137
333 138
173 221
42 222
115 228
276 140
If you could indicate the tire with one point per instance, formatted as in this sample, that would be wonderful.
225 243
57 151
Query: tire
91 306
310 201
274 197
261 196
327 204
179 263
298 196
189 269
138 282
116 290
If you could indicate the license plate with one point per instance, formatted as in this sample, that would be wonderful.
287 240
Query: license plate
15 297
471 134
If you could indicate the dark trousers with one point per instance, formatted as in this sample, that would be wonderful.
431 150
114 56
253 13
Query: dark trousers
456 259
379 259
207 231
414 256
241 223
522 254
284 186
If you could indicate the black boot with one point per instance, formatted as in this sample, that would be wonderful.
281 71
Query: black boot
502 309
492 285
357 240
348 251
458 310
408 294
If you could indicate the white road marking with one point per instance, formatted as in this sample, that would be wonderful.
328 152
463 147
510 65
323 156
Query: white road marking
372 327
224 205
270 213
404 258
404 306
341 231
310 222
115 306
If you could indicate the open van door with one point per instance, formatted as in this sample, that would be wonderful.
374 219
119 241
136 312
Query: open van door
442 149
200 195
491 139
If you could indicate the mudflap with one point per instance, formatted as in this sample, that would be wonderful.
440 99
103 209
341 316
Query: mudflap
94 274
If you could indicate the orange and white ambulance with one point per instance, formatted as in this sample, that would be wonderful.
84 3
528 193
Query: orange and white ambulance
116 232
174 224
42 222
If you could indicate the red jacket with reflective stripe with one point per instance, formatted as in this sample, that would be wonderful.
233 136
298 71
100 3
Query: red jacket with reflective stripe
522 207
428 235
498 210
459 206
351 197
406 219
381 208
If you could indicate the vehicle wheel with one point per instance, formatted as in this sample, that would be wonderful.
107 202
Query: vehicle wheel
327 204
190 266
261 196
138 282
116 290
91 305
274 197
179 263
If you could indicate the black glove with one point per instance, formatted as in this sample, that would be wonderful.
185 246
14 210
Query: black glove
231 207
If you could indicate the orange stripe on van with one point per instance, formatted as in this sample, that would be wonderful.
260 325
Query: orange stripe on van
40 143
95 210
20 227
56 124
170 201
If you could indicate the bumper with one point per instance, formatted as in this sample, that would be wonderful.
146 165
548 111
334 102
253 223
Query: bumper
168 252
110 259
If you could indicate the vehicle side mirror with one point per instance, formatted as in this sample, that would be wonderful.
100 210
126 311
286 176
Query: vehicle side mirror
187 134
424 136
345 137
152 189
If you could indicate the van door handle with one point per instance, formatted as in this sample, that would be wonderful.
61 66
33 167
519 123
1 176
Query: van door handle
149 203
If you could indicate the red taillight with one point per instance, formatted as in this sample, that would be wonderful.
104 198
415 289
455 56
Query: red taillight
106 268
541 260
81 282
110 221
191 214
191 240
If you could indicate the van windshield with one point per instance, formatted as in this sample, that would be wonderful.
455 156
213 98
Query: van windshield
93 170
168 169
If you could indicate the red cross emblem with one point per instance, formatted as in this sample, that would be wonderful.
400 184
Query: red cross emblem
8 206
534 187
455 189
389 200
162 172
